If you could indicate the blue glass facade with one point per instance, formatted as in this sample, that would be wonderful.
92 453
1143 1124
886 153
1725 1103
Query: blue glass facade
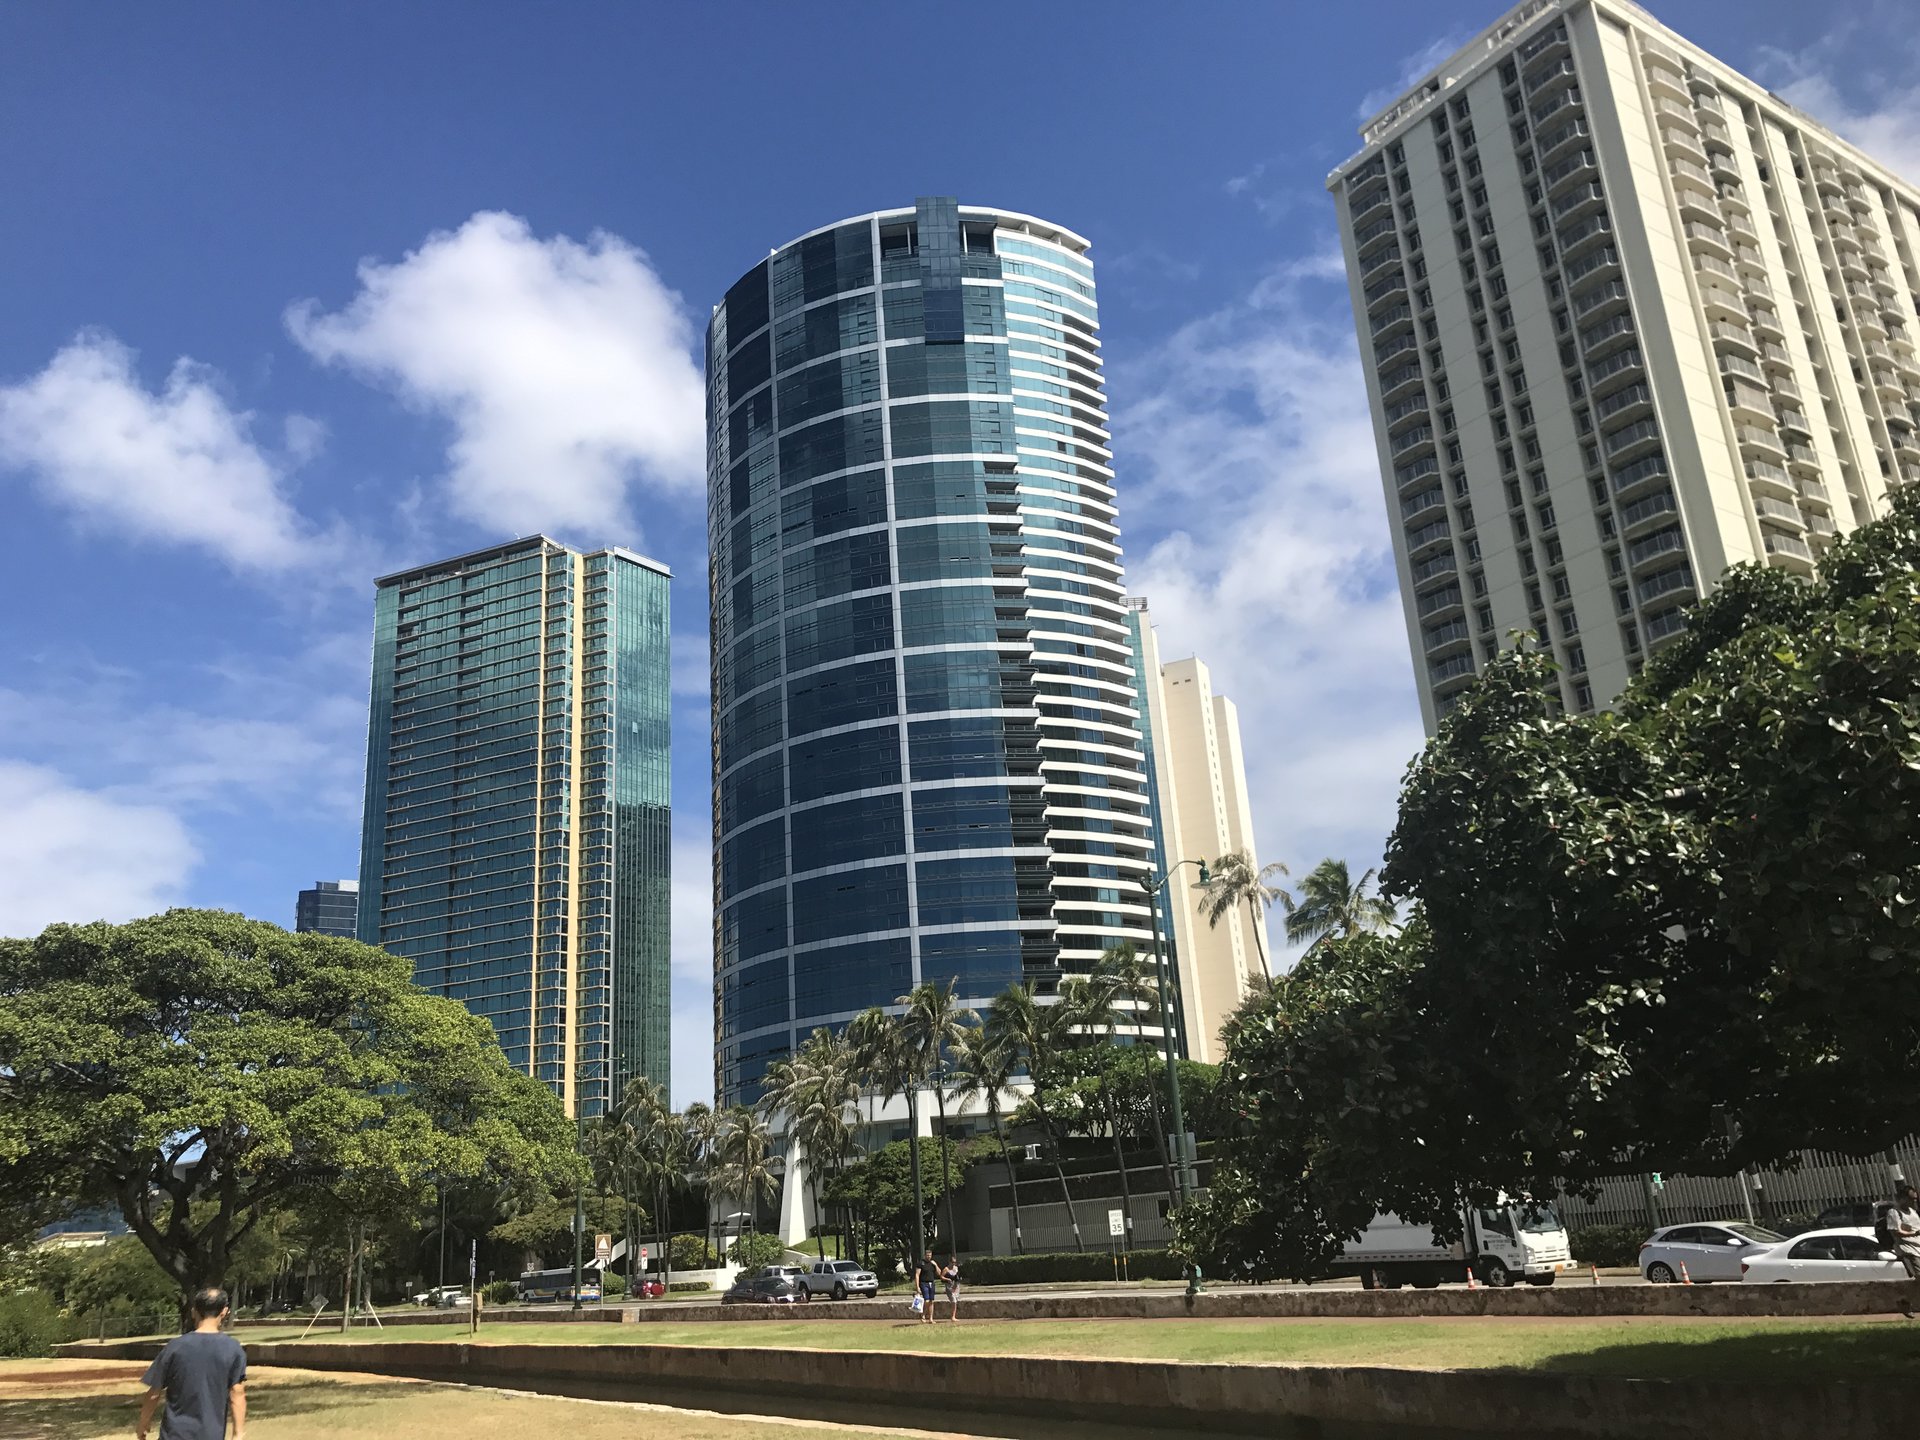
515 840
927 762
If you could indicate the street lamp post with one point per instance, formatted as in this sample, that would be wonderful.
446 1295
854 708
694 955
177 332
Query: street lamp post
1178 1140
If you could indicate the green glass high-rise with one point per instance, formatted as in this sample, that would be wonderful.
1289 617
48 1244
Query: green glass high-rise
515 841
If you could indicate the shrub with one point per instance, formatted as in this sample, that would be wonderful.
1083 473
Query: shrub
692 1252
1607 1244
749 1251
612 1283
30 1323
499 1292
687 1287
1046 1269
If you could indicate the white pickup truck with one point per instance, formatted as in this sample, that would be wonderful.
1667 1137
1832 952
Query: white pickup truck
841 1278
1500 1244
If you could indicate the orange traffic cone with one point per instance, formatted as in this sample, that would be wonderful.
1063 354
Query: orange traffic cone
1472 1283
1685 1279
1596 1274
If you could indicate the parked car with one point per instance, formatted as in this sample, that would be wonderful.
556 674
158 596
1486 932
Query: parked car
841 1278
766 1290
1709 1252
1855 1215
1835 1253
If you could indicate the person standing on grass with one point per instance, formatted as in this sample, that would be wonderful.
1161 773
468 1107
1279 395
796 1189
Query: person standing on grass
950 1276
202 1375
1903 1227
926 1275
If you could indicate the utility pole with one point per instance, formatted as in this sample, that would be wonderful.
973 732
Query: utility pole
1177 1142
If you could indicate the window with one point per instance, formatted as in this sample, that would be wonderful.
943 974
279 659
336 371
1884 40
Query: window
1583 692
1576 658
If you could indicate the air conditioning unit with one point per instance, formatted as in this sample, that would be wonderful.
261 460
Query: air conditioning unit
1031 1152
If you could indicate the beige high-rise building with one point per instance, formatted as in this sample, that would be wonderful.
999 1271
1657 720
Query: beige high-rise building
1635 313
1198 780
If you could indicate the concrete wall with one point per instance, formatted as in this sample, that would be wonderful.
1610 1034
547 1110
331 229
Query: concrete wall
1270 1400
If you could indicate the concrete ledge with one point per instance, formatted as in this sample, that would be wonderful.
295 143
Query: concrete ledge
1870 1297
1271 1400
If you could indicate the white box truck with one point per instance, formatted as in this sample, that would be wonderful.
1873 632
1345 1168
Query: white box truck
1503 1244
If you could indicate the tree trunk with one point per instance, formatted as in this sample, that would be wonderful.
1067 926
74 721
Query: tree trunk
913 1164
946 1164
1013 1180
346 1289
1259 944
1059 1170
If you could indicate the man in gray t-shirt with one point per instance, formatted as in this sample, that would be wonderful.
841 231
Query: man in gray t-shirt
202 1375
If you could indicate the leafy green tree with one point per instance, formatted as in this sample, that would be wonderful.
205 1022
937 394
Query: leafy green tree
752 1251
198 1069
1035 1033
545 1229
1678 936
1331 902
880 1188
816 1090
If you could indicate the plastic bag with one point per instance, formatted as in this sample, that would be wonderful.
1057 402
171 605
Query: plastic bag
919 1304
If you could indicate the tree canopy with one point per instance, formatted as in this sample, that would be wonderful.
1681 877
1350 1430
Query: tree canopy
1683 935
196 1069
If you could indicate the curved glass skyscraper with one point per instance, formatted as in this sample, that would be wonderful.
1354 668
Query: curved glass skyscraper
927 761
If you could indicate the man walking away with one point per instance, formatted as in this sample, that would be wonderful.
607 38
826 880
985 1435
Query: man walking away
1903 1229
203 1377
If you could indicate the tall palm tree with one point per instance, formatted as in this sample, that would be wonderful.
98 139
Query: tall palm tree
659 1149
1233 882
744 1170
985 1060
813 1089
884 1060
1332 904
1087 1014
931 1022
1026 1025
1135 982
700 1132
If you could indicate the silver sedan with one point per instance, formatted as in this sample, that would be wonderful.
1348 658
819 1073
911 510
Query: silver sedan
1703 1253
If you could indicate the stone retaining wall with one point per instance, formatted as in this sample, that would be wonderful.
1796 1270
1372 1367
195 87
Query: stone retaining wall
1272 1400
1867 1297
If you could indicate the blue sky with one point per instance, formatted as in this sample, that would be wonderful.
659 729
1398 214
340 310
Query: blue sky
296 295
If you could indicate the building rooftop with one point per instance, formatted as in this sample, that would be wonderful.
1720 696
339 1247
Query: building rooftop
456 564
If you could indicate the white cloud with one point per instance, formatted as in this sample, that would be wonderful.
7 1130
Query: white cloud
566 370
1249 451
1881 115
72 854
283 736
179 465
692 1021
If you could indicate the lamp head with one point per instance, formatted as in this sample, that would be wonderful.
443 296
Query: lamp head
1206 875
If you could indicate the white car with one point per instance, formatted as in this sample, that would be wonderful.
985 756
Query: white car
1844 1254
1709 1252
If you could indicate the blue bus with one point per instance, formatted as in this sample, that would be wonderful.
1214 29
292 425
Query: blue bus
537 1286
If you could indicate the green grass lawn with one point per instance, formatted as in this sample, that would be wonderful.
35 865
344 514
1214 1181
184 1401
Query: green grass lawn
85 1400
1744 1350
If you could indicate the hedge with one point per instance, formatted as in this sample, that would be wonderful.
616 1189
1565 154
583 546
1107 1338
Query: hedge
30 1324
1608 1244
753 1251
685 1287
1091 1265
500 1292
